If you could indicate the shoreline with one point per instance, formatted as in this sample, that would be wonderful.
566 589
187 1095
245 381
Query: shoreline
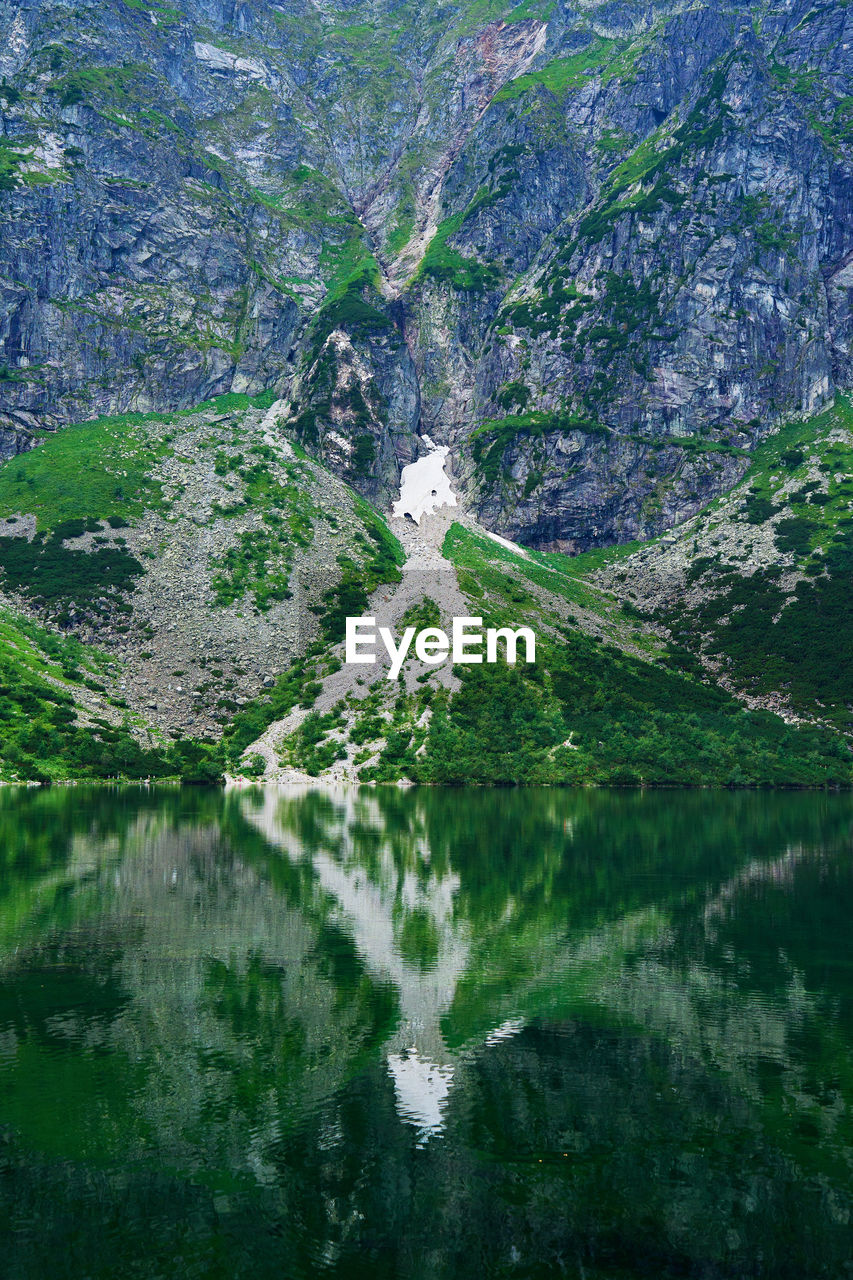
306 782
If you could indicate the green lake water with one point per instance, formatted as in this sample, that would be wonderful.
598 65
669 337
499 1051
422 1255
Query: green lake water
425 1034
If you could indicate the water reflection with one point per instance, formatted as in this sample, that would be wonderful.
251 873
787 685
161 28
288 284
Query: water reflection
426 1033
374 874
559 934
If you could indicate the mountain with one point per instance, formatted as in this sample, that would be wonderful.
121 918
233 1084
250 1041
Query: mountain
256 259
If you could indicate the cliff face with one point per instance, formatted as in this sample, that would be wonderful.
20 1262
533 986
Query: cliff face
600 250
700 295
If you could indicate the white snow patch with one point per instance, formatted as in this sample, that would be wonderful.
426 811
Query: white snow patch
424 486
504 542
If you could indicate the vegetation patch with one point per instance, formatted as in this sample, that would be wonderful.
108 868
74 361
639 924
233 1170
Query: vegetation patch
447 265
587 712
51 575
492 439
643 183
604 332
380 561
10 162
351 311
88 83
42 736
800 641
311 748
562 75
382 557
92 471
259 564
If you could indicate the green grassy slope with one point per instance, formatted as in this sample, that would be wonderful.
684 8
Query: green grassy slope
45 678
766 571
590 712
613 698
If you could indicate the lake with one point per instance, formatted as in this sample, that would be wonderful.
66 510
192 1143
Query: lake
425 1033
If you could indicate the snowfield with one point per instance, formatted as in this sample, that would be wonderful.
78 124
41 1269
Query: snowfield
424 486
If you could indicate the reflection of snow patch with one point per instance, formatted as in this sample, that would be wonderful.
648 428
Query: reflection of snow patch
424 487
505 1031
421 1088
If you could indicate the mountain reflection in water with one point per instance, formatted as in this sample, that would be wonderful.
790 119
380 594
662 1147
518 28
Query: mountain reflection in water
425 1033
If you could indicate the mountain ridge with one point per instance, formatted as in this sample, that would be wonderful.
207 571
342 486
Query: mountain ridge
295 128
267 256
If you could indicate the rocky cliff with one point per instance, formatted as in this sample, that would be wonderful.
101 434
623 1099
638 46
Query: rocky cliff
599 249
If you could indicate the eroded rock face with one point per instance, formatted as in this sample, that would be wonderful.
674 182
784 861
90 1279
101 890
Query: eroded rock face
356 406
609 248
